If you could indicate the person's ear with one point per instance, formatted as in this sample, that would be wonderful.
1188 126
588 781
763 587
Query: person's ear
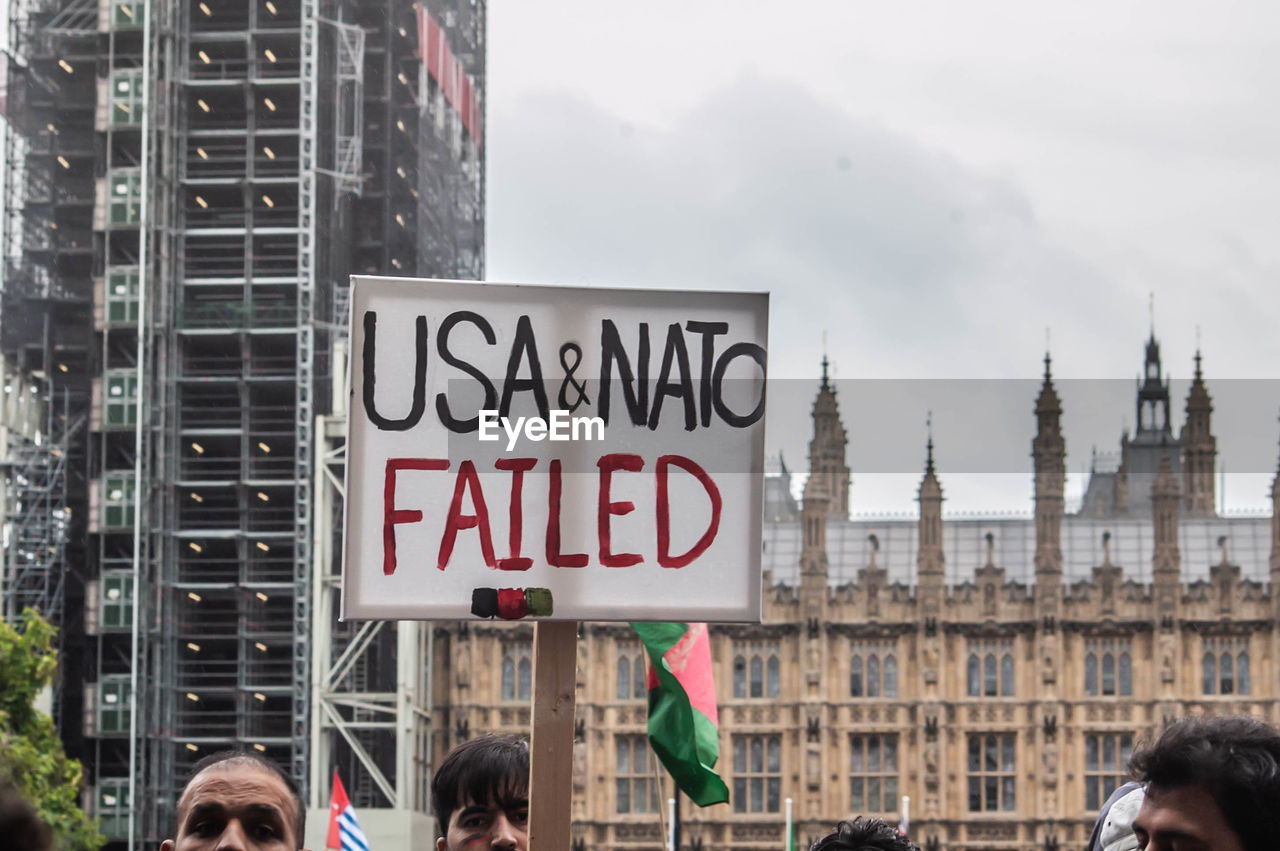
440 844
167 845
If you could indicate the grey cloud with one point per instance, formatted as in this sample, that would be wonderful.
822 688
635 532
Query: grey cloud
895 248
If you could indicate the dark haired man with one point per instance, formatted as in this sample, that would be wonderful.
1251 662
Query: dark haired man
238 802
20 824
480 794
1213 784
864 834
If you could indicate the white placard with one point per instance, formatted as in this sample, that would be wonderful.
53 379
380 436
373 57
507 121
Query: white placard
634 499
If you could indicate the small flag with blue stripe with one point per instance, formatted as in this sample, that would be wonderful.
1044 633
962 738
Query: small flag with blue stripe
344 829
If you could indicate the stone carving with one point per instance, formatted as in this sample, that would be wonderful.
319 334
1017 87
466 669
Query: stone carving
993 832
464 664
754 832
1049 758
1166 659
640 830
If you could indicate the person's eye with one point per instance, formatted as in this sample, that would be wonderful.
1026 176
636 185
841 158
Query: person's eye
477 820
206 828
520 816
264 832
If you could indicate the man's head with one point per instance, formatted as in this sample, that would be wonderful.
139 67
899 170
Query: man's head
864 834
480 794
1211 781
20 824
240 802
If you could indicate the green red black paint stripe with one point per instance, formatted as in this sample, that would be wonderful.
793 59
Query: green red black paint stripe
512 603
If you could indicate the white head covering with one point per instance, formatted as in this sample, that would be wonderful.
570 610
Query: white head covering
1117 833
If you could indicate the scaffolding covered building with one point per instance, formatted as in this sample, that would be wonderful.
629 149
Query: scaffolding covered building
188 186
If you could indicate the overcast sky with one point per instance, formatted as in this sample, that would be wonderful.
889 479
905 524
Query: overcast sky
931 183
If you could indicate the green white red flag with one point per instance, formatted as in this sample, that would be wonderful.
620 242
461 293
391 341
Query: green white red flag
683 720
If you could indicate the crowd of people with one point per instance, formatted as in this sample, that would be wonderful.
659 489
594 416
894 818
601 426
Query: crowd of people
1205 784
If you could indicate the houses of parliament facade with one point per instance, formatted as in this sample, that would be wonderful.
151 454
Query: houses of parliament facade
998 671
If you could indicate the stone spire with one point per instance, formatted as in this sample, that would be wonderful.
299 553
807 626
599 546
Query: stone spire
1199 448
930 561
827 464
815 506
929 557
1153 398
1049 452
1166 561
1275 541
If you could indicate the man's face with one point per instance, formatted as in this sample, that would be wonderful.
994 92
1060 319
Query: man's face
1184 818
498 824
235 806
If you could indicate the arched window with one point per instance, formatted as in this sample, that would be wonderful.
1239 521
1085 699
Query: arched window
1006 675
1109 750
1108 667
975 677
757 668
639 683
508 678
624 676
757 766
517 670
1226 664
631 675
890 676
855 677
990 684
873 676
524 679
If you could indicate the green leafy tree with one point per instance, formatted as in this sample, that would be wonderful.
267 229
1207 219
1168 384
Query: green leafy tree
30 750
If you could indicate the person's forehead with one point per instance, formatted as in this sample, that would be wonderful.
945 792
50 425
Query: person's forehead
494 802
1186 809
234 784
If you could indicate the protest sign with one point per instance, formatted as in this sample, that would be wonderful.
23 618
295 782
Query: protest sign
553 453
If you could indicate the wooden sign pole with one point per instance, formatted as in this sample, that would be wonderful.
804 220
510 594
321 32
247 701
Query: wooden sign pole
555 679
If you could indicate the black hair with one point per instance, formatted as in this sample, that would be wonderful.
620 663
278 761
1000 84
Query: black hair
1236 760
20 824
491 767
215 760
864 834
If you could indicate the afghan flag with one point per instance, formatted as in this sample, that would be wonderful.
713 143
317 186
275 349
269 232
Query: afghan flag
683 721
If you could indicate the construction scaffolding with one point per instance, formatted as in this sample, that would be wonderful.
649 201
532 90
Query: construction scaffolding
371 711
419 211
33 507
188 186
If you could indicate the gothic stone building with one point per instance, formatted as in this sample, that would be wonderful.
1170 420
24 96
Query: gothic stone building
900 657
